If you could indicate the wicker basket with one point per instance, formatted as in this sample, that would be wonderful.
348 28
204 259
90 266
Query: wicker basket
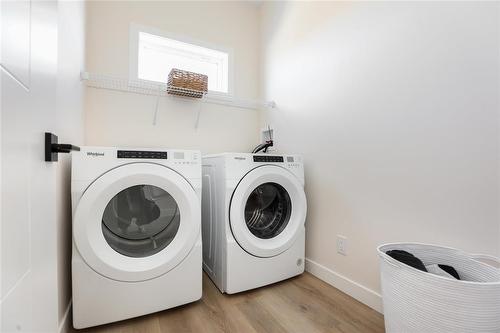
187 84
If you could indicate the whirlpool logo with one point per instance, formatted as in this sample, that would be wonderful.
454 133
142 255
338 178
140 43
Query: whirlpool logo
94 154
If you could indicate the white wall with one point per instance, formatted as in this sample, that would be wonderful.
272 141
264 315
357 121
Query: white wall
124 119
70 128
395 107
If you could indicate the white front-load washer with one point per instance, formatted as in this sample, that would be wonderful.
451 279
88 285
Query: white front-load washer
136 232
253 219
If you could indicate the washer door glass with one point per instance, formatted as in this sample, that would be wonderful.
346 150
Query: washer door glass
267 210
140 221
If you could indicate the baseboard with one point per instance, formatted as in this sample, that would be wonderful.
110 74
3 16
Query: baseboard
65 324
351 288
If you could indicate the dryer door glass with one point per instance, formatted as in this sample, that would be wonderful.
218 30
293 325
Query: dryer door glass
267 210
140 221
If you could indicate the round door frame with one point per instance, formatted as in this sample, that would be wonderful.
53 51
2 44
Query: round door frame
87 225
272 246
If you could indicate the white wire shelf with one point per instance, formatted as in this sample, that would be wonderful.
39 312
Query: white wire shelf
102 81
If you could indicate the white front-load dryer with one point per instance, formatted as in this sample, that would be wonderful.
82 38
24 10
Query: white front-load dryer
136 232
253 219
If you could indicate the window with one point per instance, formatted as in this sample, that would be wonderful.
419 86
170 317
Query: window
268 210
153 55
140 221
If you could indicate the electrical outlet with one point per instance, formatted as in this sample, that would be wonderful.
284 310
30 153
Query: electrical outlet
342 245
267 134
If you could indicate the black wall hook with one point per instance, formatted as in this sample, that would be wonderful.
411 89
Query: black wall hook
52 147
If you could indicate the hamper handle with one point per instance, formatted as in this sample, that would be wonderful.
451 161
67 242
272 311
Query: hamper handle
478 256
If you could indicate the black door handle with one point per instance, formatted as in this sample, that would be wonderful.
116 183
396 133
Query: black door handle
52 147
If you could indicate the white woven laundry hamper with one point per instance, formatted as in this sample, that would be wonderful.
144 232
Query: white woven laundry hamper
420 302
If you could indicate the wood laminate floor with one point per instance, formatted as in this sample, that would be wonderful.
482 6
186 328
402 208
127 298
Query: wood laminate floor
303 304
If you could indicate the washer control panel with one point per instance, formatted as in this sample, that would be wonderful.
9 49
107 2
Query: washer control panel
147 154
264 158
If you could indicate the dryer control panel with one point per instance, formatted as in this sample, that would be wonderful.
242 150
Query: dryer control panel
264 158
142 154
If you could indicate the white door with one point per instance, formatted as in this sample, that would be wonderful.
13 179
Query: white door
137 222
267 210
28 60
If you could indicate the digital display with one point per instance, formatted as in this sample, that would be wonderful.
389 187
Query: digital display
142 154
264 158
178 155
